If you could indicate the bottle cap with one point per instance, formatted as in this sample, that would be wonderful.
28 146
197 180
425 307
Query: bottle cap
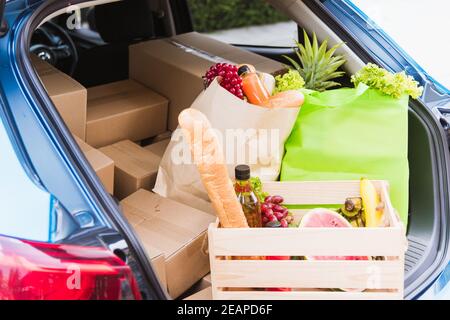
242 172
243 70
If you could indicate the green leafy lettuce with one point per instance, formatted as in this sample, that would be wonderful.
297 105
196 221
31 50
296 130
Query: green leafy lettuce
392 84
257 188
291 80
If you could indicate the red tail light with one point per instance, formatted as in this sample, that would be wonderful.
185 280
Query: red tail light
33 270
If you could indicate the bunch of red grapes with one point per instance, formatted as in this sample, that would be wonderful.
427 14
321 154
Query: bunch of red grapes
274 214
229 78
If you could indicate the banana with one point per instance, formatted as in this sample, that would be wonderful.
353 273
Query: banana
372 213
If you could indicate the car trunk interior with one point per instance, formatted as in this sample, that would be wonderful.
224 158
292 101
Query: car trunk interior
425 185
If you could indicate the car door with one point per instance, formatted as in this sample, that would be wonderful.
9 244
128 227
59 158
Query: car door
371 43
52 197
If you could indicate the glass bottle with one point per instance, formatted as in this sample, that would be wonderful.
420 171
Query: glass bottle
246 197
253 87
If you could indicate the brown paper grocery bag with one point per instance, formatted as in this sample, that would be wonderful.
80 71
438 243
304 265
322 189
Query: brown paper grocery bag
248 133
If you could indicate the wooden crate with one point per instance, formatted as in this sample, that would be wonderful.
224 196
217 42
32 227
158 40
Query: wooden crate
373 279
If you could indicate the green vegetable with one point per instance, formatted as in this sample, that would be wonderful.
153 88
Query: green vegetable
291 80
257 188
392 84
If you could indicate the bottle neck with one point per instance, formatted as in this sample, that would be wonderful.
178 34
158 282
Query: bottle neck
242 186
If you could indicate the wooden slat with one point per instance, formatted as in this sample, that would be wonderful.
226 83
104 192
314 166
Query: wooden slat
317 192
306 241
302 295
308 274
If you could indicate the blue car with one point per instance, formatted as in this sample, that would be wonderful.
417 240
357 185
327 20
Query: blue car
56 216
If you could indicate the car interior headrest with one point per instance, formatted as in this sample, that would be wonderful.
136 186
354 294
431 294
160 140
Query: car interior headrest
125 21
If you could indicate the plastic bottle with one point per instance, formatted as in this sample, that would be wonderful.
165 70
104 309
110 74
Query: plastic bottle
246 197
253 87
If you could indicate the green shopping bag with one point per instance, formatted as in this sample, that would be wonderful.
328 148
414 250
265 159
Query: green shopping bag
349 133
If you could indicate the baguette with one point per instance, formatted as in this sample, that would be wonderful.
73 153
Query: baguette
210 162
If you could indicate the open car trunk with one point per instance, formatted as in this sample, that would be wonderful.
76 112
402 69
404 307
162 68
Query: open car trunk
428 160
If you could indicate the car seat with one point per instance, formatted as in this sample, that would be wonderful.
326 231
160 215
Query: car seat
119 24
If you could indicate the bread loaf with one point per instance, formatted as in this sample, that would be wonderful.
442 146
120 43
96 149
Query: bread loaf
208 157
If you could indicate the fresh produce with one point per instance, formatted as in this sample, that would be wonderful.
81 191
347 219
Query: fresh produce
268 81
252 86
211 166
291 80
373 208
392 84
352 207
325 218
245 83
317 65
229 78
321 217
352 210
256 185
274 214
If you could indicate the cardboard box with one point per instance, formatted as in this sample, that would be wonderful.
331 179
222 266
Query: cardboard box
135 167
175 229
158 148
174 66
124 110
159 264
204 294
102 165
68 96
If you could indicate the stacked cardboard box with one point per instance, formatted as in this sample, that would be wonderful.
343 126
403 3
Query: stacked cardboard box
158 148
135 167
124 110
102 165
174 66
68 96
175 229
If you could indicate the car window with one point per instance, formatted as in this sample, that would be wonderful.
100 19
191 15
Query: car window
251 22
419 27
25 208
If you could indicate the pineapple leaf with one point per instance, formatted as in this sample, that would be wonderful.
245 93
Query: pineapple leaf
293 62
317 65
327 85
315 47
333 75
308 48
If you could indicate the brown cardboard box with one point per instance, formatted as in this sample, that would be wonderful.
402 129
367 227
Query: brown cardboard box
159 264
174 66
135 167
102 165
68 96
175 229
204 294
124 110
158 148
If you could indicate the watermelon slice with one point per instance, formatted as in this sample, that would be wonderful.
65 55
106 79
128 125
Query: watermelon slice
325 218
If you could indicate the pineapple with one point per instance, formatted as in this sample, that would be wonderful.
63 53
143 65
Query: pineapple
318 66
